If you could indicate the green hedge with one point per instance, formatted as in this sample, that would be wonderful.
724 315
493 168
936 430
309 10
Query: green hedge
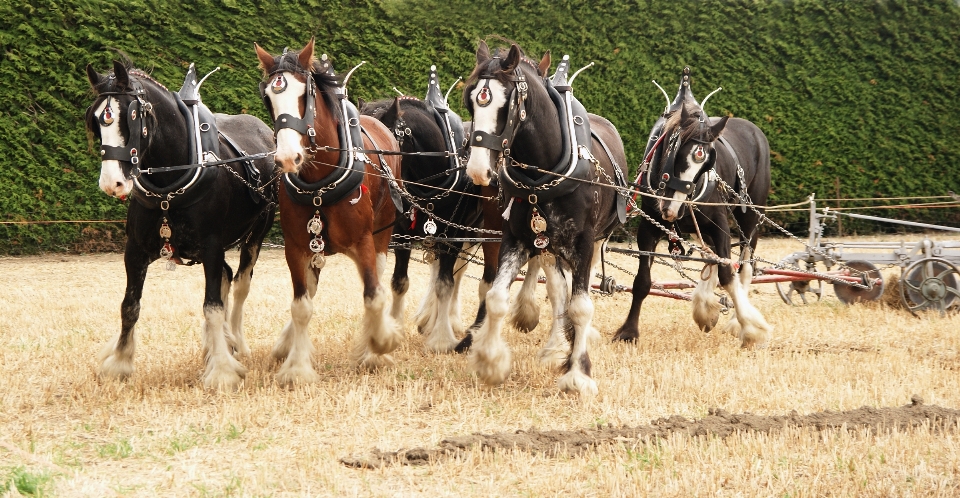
861 91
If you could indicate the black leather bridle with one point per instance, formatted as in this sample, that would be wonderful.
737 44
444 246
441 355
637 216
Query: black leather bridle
278 84
136 126
668 176
516 114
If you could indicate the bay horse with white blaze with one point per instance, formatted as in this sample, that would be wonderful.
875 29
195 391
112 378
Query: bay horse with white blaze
335 199
558 167
714 160
153 142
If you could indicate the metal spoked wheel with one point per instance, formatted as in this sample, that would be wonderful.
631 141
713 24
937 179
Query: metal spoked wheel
848 294
931 284
800 293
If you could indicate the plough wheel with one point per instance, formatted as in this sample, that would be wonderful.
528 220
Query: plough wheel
931 283
795 293
849 294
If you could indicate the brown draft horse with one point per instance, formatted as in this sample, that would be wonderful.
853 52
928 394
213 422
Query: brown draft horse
310 111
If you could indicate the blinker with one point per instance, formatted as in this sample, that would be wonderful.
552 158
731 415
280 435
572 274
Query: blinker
483 98
279 84
698 154
106 118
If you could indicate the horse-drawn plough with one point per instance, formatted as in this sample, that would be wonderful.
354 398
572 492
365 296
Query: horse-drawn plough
541 184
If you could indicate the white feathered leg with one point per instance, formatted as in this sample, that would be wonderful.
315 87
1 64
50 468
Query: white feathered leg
557 348
706 305
294 347
525 312
489 354
577 379
754 329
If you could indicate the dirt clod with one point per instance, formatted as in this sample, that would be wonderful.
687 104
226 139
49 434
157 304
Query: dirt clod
718 422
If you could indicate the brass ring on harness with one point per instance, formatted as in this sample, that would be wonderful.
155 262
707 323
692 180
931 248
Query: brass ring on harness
353 121
577 120
429 207
532 198
165 205
135 172
318 201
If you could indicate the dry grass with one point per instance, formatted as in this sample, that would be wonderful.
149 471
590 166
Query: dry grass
68 433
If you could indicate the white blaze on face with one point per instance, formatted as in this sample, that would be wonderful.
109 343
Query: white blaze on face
290 151
112 180
481 163
673 208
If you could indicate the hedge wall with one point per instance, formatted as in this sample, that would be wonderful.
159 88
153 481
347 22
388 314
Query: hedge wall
860 93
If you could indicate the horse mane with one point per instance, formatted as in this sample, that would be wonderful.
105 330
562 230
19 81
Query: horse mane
672 122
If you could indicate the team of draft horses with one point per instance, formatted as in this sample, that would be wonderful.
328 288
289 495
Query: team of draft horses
543 186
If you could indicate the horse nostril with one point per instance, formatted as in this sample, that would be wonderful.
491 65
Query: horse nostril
119 184
298 160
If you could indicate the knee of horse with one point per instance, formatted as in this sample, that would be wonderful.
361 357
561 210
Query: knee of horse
497 302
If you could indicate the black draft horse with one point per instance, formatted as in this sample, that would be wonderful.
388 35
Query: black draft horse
554 162
193 214
436 191
687 156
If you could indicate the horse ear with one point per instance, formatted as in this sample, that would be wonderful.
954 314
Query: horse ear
715 130
393 112
513 58
544 64
361 103
306 55
120 71
94 77
483 52
266 60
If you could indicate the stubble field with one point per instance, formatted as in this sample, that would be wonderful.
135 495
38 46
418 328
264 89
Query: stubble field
751 420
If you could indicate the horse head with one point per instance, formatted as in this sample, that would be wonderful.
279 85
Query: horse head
495 96
117 118
291 83
689 154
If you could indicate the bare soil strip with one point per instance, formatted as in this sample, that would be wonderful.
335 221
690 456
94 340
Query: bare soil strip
718 423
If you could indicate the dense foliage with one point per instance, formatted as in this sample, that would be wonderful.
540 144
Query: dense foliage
860 94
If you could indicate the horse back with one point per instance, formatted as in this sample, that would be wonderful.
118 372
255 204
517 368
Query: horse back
251 134
753 153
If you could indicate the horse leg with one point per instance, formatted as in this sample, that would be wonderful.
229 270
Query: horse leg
427 312
222 369
380 333
293 346
489 354
490 250
706 305
116 357
576 377
241 289
754 329
456 321
647 238
555 351
524 314
441 338
400 283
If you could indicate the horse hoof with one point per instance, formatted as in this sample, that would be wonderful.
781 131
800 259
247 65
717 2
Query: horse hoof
441 345
224 377
626 335
290 376
525 316
465 343
371 361
492 365
553 358
578 383
115 368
